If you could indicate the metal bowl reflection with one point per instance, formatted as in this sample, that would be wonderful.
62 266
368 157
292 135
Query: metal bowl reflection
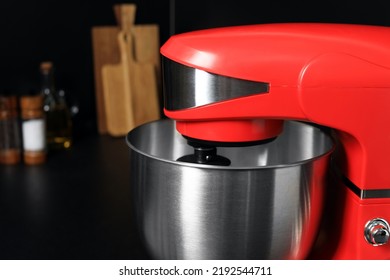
266 205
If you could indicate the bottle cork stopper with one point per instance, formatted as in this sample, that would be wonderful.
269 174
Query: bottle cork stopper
8 107
31 106
8 102
46 66
31 102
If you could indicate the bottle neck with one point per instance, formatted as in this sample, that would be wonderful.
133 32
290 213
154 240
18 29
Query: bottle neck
48 90
47 83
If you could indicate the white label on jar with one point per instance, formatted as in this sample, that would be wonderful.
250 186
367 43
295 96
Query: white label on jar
34 137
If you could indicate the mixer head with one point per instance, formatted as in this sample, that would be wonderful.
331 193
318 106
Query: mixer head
238 84
188 89
199 89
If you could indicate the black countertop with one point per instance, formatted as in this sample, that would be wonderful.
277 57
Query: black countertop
75 206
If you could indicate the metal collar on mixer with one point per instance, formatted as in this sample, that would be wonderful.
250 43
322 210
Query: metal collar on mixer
193 87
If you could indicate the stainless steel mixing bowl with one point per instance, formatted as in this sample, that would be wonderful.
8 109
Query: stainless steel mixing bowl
266 205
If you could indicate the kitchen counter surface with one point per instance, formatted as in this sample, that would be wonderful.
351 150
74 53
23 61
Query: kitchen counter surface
75 206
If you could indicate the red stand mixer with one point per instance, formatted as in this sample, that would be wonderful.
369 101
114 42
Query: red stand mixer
334 75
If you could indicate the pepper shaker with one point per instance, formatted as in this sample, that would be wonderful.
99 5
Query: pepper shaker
10 146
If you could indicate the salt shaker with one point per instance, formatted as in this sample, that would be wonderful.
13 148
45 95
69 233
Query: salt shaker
33 129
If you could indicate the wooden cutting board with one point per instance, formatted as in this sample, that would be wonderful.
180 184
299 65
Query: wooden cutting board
117 92
105 51
145 65
131 89
147 46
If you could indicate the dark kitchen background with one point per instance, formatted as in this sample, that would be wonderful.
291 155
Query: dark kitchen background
60 31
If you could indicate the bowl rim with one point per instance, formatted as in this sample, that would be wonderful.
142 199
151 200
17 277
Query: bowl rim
325 155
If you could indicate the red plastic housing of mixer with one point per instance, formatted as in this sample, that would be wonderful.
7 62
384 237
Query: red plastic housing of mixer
329 74
336 75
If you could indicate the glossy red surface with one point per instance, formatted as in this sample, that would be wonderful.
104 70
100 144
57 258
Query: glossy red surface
335 75
346 238
232 130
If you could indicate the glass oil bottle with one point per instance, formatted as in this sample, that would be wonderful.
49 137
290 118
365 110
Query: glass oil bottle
58 118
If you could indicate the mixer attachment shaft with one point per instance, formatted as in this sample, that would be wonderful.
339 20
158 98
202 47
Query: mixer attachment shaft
205 155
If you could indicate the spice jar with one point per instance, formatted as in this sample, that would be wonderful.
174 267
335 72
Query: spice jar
33 129
9 131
